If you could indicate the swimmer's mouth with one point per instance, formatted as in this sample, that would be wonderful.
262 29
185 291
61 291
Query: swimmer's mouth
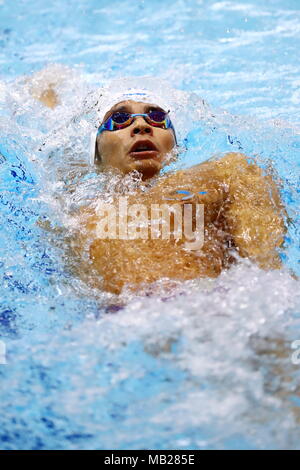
143 149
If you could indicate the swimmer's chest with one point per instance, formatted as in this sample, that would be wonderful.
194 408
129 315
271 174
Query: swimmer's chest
137 253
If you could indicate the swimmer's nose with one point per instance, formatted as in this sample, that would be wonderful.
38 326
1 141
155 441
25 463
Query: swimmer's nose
140 126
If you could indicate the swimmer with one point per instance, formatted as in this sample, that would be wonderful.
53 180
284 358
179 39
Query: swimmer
243 212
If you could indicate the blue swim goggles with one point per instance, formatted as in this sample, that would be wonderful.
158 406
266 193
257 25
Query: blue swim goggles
120 120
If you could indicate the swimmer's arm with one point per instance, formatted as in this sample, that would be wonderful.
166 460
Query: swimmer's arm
83 223
48 97
84 227
42 85
255 213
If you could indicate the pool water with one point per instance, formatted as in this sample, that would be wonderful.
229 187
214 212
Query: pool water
212 366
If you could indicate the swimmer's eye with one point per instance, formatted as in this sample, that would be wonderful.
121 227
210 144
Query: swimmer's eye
120 118
157 116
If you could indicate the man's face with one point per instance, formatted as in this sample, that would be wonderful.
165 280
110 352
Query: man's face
120 148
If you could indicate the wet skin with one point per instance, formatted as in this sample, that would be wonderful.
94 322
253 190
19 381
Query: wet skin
243 214
114 147
240 199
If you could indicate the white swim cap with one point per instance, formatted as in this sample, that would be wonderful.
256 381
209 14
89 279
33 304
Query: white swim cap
152 91
106 101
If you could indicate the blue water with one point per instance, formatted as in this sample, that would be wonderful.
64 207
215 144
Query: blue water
210 368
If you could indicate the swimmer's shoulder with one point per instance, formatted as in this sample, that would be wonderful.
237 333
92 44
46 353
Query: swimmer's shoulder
198 180
224 168
212 170
214 174
231 160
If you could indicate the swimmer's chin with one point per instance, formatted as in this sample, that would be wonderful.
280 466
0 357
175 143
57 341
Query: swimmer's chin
148 167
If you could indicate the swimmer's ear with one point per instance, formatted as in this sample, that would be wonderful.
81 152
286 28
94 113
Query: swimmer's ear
98 158
95 157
